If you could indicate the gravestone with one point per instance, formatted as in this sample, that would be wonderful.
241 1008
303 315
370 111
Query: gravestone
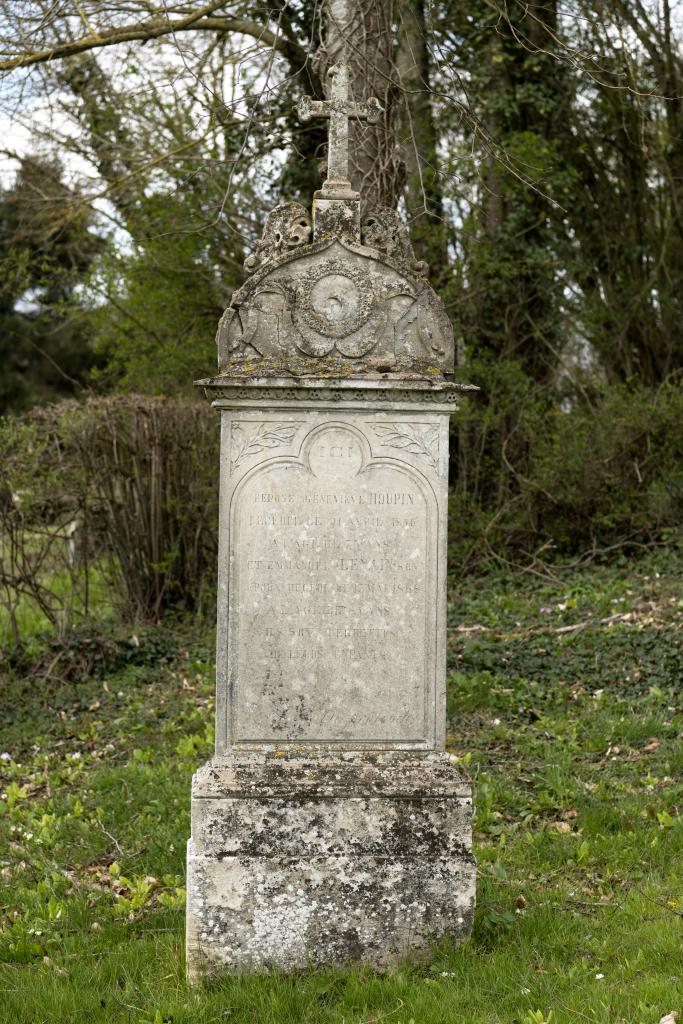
331 826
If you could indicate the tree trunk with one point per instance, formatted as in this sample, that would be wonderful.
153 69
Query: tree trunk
423 195
515 287
360 33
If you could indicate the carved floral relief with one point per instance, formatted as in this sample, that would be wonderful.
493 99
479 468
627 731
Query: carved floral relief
249 439
417 438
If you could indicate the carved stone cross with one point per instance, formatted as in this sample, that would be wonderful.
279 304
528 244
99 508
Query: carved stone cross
338 108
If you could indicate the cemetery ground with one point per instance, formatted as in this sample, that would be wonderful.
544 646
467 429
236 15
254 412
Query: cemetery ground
564 708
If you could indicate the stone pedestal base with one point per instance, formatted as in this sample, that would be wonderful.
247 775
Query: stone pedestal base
326 859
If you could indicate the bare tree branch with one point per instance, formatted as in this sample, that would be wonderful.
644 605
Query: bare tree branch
157 27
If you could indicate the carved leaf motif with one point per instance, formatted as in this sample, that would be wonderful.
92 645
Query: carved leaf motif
409 438
267 435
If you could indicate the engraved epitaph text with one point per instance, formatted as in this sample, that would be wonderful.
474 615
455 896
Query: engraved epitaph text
331 561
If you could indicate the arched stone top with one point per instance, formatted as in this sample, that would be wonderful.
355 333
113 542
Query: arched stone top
333 305
337 292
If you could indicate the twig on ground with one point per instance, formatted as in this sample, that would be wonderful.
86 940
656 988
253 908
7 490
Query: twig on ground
110 836
383 1016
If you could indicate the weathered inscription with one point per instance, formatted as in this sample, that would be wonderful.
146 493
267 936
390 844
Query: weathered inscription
330 569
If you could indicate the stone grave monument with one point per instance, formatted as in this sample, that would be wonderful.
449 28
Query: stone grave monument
331 826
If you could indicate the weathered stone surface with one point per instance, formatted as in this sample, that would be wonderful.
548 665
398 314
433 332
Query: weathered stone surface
327 860
333 293
338 109
384 390
257 914
330 306
331 826
287 227
382 229
332 577
395 774
352 826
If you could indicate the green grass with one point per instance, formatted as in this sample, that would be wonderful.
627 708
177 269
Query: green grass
564 707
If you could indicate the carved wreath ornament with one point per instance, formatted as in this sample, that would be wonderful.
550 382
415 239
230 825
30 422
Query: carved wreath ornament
334 309
334 299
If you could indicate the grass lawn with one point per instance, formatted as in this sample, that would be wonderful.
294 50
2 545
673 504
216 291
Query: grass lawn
565 709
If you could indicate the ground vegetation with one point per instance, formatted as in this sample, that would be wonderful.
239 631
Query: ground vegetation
563 708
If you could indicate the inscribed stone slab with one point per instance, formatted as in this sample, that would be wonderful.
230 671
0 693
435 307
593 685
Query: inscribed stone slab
332 578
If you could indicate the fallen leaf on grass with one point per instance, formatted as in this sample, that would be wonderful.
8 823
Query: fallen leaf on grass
649 749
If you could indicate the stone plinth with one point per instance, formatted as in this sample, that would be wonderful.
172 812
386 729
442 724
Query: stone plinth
326 859
330 826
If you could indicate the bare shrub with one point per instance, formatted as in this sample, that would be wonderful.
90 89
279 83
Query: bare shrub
124 483
150 469
39 509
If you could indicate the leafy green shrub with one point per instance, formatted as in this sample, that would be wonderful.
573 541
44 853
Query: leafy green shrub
597 476
92 650
535 475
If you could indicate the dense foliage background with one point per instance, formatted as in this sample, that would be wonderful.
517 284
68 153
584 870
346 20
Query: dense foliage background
536 153
541 162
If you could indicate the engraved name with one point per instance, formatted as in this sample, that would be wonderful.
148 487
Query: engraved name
371 498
